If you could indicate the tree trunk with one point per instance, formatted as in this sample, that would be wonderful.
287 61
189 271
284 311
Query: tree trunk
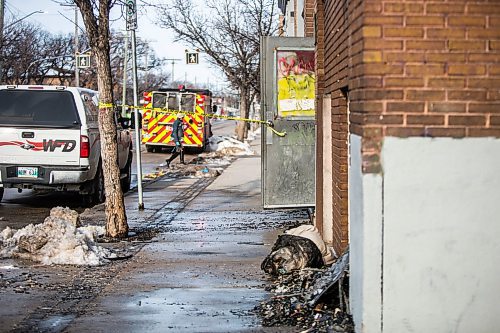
241 131
98 34
116 219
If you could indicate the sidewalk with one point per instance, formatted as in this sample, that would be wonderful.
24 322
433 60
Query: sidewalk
202 272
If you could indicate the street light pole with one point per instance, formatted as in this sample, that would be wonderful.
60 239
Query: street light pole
75 21
24 17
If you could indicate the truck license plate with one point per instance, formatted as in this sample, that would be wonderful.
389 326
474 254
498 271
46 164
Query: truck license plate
27 172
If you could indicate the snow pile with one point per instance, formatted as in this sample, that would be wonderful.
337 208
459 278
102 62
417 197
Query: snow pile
212 159
229 146
252 135
58 240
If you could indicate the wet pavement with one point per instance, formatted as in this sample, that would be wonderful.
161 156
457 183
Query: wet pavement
199 273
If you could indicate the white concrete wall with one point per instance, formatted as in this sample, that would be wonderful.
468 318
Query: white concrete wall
365 243
326 122
432 225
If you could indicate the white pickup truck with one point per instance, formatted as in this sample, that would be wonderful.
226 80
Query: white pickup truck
49 140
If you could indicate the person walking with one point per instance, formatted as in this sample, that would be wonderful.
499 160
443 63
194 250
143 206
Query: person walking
177 136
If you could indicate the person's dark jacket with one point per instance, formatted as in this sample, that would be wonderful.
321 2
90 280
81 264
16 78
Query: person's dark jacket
177 132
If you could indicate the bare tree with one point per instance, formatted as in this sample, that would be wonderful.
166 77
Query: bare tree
228 32
55 60
95 15
150 68
21 47
33 55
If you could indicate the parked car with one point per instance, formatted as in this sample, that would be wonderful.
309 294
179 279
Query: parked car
49 140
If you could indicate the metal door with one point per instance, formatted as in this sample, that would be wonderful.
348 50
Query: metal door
287 99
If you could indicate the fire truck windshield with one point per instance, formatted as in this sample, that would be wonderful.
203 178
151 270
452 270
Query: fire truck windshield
159 100
187 102
173 101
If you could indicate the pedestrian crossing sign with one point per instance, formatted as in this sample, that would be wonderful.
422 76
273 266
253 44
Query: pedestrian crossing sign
83 60
191 58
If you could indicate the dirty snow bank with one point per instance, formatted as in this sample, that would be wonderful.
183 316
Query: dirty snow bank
228 146
252 135
58 240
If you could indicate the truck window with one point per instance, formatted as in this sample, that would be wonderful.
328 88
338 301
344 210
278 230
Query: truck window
187 102
49 108
173 101
90 107
159 100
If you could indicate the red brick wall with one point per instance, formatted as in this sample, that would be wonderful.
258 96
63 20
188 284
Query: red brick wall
309 18
431 69
341 40
319 34
411 68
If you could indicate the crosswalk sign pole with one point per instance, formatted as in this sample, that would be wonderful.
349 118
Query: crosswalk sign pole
131 26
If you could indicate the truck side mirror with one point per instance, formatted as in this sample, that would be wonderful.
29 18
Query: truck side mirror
214 109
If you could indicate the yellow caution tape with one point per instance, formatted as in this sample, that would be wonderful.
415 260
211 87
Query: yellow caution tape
105 105
268 123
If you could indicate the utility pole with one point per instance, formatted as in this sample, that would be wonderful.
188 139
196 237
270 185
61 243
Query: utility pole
295 19
173 64
75 21
77 70
124 85
2 7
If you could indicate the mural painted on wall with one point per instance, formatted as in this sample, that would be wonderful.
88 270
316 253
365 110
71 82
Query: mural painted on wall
296 78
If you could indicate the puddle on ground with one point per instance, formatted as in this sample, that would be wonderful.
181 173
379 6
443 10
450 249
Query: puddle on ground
197 310
55 323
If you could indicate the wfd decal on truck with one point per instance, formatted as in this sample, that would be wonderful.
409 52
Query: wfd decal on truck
51 145
46 145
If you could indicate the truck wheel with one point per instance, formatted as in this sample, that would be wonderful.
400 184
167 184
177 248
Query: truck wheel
150 149
98 193
125 182
1 193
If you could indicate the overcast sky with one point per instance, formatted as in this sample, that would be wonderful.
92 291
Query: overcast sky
160 39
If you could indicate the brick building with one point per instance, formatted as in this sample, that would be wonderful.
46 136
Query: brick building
408 141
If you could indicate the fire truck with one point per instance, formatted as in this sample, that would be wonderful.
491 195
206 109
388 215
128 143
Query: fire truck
160 111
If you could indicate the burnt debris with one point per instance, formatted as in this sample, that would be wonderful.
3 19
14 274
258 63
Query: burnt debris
291 253
313 299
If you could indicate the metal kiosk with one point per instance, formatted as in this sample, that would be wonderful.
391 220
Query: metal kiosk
288 101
